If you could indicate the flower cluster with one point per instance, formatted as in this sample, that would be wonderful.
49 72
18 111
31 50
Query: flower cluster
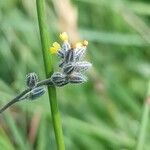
71 66
71 63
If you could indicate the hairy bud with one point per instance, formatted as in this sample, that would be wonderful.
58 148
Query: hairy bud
79 53
65 46
70 56
68 68
59 79
34 93
31 79
82 66
77 78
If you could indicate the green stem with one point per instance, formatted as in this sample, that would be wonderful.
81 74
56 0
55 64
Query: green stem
49 70
144 122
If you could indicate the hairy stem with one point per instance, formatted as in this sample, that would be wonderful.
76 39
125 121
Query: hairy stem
144 122
14 100
49 70
46 82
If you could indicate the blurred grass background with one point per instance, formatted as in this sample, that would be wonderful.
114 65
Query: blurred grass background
104 113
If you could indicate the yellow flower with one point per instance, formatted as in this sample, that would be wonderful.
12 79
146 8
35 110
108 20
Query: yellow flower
85 43
56 45
79 44
64 36
54 49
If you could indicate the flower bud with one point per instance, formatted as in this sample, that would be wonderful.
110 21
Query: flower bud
31 79
79 53
34 93
59 79
61 54
82 66
65 46
70 56
61 64
68 68
77 78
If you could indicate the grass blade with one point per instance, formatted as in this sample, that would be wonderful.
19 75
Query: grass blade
144 122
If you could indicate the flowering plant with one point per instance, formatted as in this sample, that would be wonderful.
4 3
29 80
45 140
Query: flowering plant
71 71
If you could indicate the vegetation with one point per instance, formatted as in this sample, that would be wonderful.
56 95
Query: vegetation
105 113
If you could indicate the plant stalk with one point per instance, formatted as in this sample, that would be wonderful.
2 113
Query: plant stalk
49 70
144 122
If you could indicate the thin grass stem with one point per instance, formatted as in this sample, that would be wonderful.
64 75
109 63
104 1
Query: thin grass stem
49 70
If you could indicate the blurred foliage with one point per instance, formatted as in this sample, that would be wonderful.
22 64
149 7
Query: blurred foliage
102 114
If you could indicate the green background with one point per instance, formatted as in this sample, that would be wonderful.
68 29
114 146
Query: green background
102 114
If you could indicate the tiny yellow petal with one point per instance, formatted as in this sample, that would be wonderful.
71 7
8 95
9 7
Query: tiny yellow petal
53 50
85 43
56 45
79 44
64 36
